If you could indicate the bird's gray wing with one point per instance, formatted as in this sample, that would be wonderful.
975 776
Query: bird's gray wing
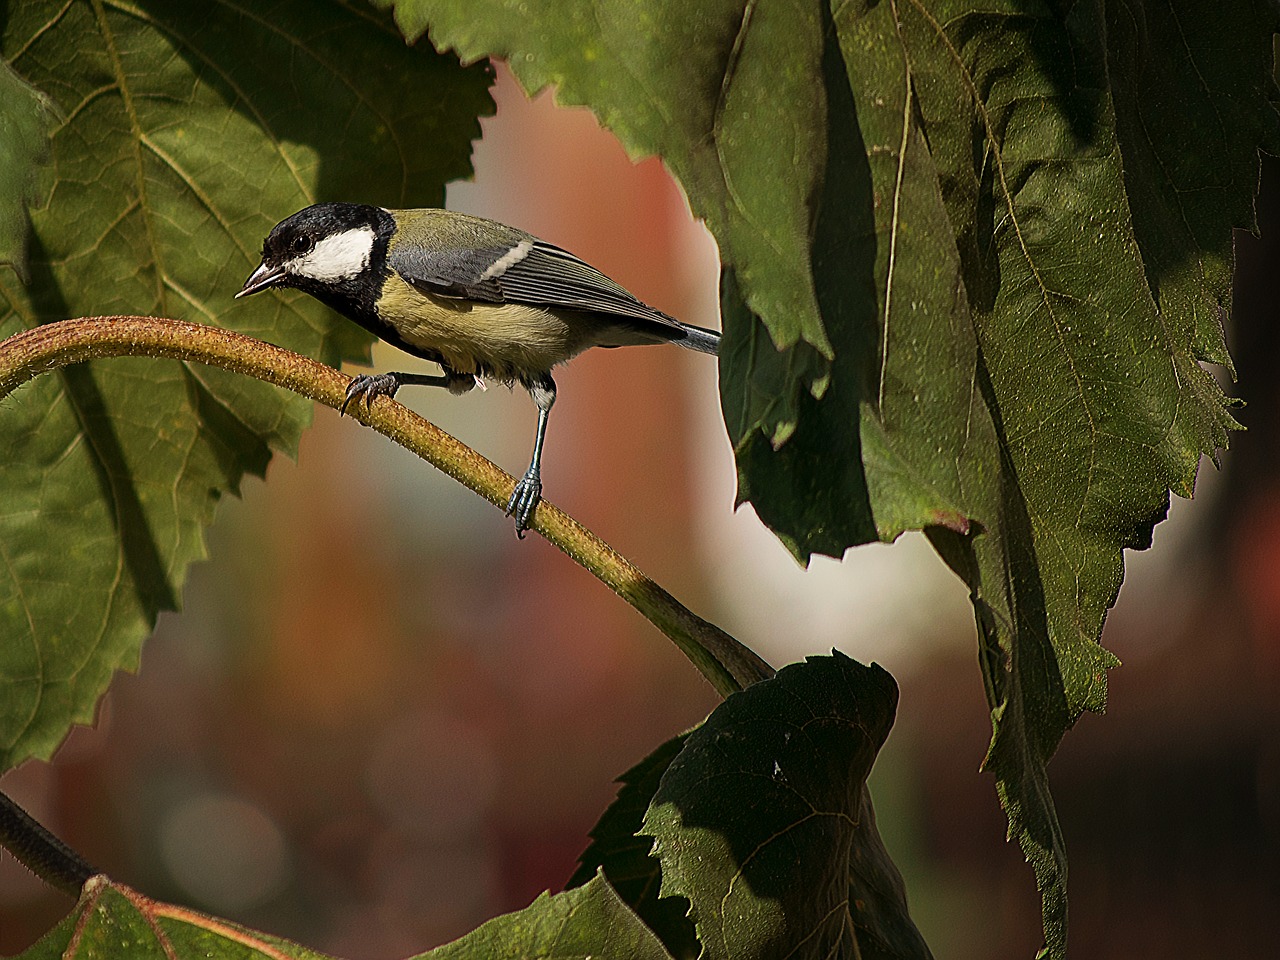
451 273
525 270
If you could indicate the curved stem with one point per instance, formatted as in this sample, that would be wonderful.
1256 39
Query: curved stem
728 665
40 851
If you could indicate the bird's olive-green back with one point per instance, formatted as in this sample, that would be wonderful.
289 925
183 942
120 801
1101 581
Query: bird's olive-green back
433 230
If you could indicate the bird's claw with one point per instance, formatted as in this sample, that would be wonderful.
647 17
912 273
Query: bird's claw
367 387
524 498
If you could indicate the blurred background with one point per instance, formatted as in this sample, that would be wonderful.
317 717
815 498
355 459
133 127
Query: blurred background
381 719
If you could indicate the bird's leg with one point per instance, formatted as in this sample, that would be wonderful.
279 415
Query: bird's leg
367 386
528 490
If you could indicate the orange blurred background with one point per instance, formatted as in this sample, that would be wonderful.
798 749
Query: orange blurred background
381 719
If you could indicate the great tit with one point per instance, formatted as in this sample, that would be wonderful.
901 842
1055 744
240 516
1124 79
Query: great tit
477 297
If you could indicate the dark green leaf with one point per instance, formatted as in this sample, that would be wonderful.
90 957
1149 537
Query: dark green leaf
1034 122
1191 81
190 129
26 119
764 824
627 861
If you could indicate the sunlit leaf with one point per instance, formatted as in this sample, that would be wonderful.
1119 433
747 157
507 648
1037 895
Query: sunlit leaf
189 130
588 921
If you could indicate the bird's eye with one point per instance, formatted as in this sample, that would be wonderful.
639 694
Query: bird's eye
302 244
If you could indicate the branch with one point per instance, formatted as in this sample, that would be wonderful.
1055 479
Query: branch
727 664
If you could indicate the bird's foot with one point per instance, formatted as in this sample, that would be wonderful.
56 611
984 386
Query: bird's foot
524 498
460 383
367 387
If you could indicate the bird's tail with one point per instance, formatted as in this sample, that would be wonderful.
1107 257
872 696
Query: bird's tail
696 338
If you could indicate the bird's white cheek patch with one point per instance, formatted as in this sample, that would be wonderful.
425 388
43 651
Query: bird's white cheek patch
339 257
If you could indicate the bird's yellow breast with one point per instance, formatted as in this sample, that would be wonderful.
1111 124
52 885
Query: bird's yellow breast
506 340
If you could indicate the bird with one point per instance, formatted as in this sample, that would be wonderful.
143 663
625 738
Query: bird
481 299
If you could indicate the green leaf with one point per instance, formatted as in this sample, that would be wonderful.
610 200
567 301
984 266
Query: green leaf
589 921
26 120
112 920
626 858
763 821
189 130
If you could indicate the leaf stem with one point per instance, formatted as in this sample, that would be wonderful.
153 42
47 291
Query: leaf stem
727 664
40 851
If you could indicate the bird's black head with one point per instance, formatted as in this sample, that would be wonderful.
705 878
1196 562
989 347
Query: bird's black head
334 251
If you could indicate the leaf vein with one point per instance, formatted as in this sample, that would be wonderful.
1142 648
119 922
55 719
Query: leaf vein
135 126
354 89
895 216
222 74
49 25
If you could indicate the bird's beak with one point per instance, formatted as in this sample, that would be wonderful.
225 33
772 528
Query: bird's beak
260 279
